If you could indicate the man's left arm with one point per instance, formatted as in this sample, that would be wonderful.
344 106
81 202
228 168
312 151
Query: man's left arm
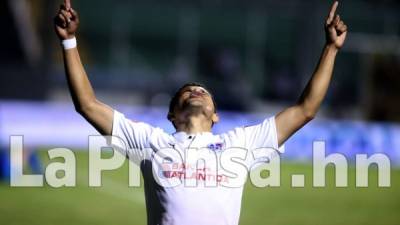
293 118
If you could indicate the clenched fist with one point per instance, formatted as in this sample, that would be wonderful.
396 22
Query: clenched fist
66 21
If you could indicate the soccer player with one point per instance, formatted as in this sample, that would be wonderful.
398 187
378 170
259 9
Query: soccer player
192 112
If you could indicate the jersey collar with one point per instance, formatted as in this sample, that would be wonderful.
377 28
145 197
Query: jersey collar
182 135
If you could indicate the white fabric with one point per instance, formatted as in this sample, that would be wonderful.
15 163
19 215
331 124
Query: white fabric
69 43
201 204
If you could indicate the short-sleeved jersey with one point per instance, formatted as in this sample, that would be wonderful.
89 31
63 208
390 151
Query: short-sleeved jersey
190 178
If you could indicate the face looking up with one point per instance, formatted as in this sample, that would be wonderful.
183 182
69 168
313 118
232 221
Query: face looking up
194 100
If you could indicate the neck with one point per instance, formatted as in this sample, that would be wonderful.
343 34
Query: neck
194 124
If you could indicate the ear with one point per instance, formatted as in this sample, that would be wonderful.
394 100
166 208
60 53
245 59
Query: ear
171 117
215 118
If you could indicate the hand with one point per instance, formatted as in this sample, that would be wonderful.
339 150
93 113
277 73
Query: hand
66 21
335 29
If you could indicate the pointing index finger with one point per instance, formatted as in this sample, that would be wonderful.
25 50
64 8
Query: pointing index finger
67 4
333 11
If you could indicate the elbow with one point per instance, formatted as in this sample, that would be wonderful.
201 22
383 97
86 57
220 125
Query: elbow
85 108
310 115
308 111
79 110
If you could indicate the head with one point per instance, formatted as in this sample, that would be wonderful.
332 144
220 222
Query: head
190 100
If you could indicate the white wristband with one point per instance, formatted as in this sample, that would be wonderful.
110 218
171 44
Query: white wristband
69 43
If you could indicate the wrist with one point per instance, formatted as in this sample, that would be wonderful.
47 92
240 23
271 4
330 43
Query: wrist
330 47
69 43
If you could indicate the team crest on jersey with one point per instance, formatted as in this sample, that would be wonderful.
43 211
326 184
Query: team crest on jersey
216 146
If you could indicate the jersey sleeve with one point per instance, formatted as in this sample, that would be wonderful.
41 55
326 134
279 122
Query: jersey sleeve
262 141
129 137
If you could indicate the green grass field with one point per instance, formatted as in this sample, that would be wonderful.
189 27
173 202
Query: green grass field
115 203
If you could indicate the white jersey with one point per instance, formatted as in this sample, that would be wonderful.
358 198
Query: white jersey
180 191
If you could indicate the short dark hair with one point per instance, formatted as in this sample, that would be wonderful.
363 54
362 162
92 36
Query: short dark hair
175 98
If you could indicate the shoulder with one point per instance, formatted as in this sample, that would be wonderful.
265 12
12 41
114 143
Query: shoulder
234 138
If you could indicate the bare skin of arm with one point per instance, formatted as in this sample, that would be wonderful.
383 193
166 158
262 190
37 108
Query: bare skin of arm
95 112
293 118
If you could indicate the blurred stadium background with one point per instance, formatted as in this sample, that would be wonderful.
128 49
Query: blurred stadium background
255 56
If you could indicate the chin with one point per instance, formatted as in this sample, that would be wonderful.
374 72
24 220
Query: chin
194 106
195 102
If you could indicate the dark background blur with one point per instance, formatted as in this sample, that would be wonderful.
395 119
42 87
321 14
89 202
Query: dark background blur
252 54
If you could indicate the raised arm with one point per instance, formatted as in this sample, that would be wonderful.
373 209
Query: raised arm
293 118
96 113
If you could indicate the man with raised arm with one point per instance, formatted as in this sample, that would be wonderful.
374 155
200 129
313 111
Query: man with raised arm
192 111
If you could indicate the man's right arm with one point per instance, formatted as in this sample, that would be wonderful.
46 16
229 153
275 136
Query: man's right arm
95 112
